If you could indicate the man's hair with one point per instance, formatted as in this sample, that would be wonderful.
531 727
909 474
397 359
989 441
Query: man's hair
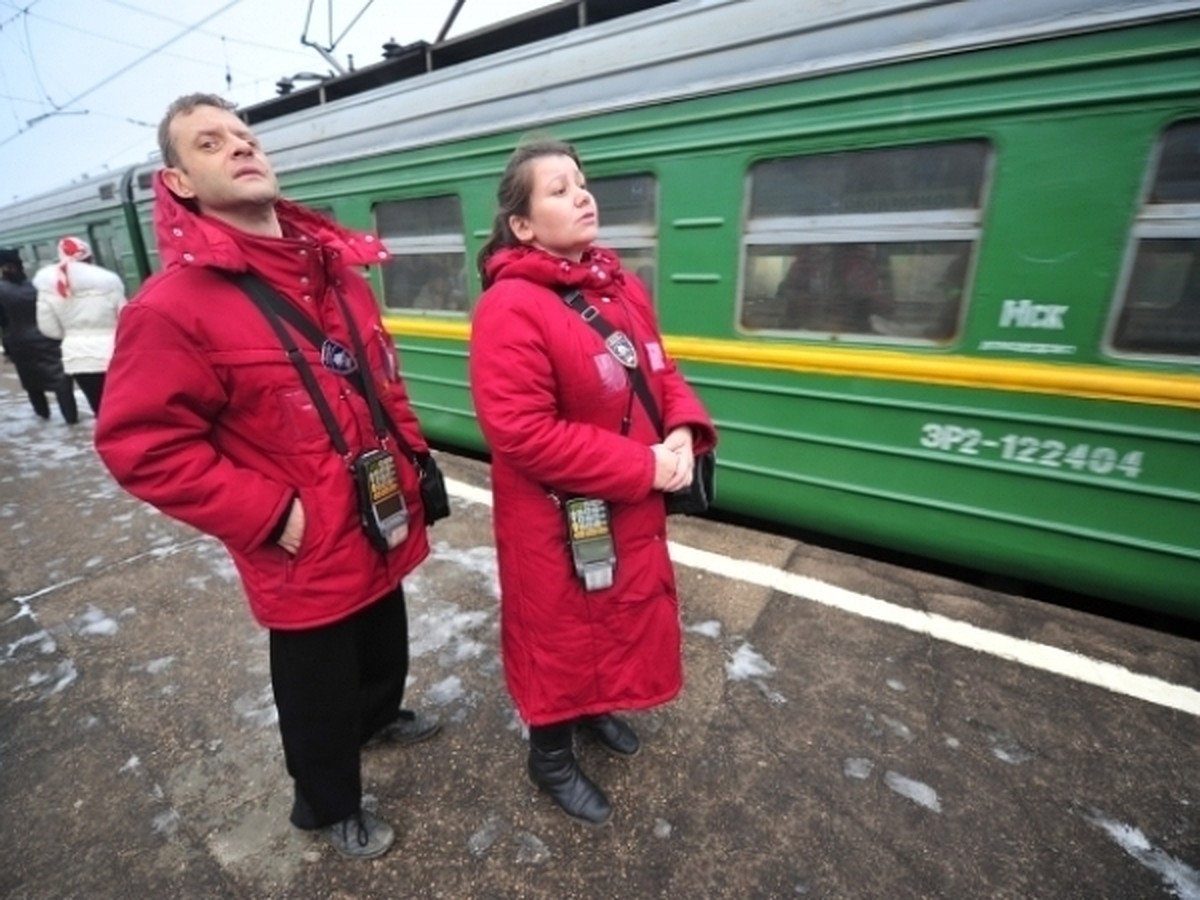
180 107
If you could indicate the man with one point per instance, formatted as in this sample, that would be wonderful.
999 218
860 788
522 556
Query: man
38 358
206 418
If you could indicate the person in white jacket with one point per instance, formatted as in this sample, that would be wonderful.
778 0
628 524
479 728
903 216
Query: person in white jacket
78 303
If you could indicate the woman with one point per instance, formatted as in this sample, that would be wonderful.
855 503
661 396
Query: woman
78 304
560 415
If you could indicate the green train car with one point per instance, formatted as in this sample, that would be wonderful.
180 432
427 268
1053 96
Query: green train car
934 266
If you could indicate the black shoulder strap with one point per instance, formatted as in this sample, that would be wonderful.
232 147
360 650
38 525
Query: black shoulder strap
574 299
261 295
261 291
274 307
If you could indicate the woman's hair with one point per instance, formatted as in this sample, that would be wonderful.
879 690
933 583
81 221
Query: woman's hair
516 186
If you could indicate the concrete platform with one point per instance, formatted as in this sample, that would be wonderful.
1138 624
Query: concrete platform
814 753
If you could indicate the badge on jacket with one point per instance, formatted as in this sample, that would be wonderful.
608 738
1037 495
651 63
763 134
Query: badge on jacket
337 358
620 346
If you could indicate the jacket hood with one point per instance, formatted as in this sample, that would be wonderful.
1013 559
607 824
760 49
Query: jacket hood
187 238
597 270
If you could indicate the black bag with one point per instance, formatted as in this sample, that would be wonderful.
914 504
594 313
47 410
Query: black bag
695 499
433 489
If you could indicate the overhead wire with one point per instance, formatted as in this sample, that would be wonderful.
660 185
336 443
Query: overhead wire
150 13
68 26
145 56
108 79
20 11
173 21
18 14
33 66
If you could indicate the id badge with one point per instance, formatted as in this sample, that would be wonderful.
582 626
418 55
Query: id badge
589 532
384 512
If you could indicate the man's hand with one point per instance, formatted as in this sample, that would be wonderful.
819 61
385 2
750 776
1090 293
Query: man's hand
293 531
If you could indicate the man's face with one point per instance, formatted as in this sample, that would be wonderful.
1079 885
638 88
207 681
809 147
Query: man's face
221 165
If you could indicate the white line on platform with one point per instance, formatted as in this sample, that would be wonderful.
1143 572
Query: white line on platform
1075 666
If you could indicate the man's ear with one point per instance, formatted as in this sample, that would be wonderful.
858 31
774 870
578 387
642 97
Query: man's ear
521 228
177 183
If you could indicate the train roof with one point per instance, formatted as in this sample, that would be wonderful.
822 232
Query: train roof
676 49
86 195
585 57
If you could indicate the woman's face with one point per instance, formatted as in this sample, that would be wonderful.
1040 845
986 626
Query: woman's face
562 218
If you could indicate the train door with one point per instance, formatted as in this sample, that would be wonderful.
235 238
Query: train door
106 249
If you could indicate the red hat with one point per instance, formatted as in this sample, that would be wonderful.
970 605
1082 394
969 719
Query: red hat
69 249
73 248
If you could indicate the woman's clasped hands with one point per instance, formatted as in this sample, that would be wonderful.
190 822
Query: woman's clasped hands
674 461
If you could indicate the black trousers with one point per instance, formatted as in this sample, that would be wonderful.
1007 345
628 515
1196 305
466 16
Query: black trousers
335 686
92 385
64 392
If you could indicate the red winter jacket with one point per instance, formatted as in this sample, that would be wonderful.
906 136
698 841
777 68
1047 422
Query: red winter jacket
205 418
550 401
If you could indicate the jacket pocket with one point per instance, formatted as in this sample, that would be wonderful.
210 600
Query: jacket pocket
299 414
644 570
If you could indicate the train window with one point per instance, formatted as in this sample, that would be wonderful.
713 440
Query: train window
1158 308
428 269
872 243
629 221
45 254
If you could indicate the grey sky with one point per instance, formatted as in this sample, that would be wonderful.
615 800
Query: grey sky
83 83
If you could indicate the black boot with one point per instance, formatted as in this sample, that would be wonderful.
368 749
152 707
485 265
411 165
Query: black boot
552 767
37 399
613 734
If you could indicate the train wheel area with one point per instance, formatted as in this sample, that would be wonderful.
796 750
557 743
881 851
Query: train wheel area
850 727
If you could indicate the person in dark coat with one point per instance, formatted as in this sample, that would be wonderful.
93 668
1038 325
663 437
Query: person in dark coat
559 413
38 358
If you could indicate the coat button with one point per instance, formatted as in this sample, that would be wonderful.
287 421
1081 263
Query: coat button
187 257
178 232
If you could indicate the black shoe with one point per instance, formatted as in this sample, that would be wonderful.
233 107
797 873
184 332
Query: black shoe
360 836
553 769
613 734
409 728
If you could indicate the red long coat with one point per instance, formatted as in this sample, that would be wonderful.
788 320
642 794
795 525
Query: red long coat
550 401
205 417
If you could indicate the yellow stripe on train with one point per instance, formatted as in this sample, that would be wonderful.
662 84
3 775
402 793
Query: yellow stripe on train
1063 379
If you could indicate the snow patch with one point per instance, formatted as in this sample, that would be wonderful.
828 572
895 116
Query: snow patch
857 767
1179 878
710 628
918 793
